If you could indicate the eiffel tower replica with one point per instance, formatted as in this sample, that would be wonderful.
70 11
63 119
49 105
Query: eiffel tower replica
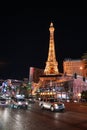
51 64
51 76
51 69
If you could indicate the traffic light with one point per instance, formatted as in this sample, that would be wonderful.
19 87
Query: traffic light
75 75
83 78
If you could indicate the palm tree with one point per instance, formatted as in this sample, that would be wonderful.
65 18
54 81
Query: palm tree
84 58
84 95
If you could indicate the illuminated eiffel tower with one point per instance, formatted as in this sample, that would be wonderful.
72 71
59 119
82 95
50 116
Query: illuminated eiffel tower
51 69
51 64
51 76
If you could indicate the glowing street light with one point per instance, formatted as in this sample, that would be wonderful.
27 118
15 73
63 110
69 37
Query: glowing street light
79 96
81 69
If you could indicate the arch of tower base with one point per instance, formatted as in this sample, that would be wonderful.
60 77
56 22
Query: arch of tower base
59 87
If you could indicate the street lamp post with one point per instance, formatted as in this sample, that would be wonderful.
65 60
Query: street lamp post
79 96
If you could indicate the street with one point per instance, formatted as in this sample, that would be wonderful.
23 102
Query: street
36 119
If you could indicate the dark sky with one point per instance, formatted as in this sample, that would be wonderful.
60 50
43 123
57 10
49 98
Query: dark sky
24 38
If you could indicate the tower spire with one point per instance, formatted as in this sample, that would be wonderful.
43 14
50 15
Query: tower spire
51 67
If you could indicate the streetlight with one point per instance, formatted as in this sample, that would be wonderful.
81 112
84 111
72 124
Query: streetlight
79 96
81 72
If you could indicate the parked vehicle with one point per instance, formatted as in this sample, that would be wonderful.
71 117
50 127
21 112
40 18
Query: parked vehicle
52 104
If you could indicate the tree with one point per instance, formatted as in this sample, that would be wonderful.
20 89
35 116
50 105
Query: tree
84 95
23 89
29 88
84 58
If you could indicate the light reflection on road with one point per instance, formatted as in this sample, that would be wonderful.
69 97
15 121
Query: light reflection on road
34 119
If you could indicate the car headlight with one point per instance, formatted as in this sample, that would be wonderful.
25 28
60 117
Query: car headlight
55 105
19 103
26 103
6 102
63 105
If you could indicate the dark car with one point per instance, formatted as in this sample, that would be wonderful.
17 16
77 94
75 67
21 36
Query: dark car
19 102
4 102
31 99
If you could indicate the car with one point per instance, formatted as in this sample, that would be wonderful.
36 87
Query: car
19 102
4 102
31 99
52 104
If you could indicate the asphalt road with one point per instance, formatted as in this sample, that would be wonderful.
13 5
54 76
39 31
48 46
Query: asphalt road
36 119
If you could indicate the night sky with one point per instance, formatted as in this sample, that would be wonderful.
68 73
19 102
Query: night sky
24 38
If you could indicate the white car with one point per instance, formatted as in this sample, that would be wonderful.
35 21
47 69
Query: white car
52 104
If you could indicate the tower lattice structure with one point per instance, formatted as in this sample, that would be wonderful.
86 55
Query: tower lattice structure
51 67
